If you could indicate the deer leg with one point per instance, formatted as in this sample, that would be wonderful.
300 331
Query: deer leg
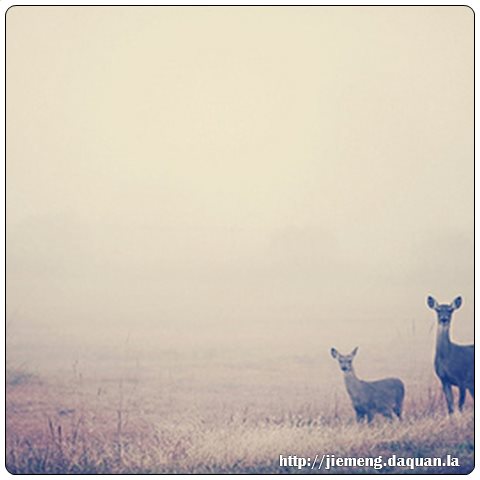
398 411
461 398
360 415
369 417
447 390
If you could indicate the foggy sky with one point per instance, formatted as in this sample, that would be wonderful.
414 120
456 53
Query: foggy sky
229 172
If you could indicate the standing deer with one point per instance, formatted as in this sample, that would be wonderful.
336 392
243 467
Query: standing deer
454 364
368 398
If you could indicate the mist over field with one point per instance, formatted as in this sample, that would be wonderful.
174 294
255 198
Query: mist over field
203 201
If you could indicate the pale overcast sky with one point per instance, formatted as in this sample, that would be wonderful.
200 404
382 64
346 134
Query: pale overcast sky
237 169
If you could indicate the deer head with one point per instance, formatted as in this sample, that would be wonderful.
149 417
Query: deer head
345 361
445 311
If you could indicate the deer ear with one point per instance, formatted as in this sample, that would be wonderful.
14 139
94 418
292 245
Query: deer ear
334 352
431 302
457 303
354 351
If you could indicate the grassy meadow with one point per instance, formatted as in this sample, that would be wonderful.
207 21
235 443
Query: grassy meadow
218 413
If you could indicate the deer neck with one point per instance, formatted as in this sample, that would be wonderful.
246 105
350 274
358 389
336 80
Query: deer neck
351 381
443 339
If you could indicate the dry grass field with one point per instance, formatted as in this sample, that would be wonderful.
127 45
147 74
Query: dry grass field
216 417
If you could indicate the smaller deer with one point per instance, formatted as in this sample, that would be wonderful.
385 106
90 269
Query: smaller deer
454 364
368 398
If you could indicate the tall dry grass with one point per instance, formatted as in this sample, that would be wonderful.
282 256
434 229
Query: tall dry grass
131 424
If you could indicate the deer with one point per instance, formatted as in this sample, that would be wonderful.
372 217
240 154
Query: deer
454 364
368 398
